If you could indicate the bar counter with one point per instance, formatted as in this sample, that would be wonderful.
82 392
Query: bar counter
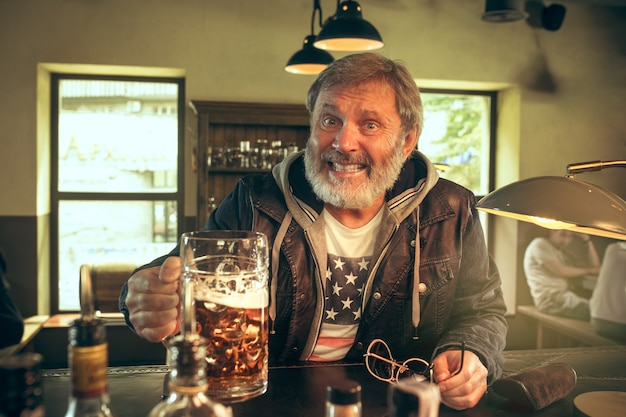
300 391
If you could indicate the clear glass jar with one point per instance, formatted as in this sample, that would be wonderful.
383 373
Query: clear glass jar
412 398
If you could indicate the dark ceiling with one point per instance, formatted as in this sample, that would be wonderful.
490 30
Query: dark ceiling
614 3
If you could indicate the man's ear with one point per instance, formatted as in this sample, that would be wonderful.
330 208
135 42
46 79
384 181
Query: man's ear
410 142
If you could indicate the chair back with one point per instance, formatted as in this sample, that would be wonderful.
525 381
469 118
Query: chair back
106 282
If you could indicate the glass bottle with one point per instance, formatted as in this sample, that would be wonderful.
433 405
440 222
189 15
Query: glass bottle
343 399
20 378
244 150
187 382
263 155
87 357
88 361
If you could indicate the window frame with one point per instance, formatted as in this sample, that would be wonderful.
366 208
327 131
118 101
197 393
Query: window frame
486 220
57 196
493 114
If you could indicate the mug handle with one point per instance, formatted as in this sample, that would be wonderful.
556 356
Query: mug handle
188 319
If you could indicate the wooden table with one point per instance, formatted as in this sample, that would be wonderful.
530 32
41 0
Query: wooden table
550 326
300 391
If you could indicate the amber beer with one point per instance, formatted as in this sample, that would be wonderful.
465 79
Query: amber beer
225 299
236 332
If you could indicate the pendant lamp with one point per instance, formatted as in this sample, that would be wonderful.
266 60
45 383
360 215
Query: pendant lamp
563 202
346 30
310 60
503 11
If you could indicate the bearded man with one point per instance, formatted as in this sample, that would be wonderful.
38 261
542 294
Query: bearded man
361 220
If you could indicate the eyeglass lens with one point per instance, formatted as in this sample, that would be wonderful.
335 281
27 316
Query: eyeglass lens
379 361
413 367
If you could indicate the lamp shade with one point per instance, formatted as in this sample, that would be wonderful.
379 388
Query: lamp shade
346 30
502 11
309 59
560 203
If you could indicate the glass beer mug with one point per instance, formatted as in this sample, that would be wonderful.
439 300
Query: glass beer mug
225 299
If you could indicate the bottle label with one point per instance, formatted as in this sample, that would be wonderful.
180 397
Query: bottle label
88 367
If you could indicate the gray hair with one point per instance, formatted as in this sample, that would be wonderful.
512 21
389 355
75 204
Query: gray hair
354 70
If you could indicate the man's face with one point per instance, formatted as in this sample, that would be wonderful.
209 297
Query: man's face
357 148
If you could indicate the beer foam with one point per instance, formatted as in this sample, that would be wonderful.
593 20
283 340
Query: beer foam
256 299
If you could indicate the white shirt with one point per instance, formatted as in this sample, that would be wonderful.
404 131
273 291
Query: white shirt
349 255
608 301
543 284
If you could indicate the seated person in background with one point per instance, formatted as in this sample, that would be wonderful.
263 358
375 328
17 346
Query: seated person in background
361 191
11 323
548 273
608 301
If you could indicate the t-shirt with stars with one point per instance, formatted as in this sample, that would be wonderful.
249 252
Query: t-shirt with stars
349 256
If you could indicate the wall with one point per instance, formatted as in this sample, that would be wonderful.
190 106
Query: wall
569 85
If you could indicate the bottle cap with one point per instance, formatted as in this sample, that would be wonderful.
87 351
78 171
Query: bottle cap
402 402
410 397
344 392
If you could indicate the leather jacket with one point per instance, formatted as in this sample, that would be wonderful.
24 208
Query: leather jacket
460 298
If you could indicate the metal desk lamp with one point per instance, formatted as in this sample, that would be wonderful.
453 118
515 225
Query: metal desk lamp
563 202
568 203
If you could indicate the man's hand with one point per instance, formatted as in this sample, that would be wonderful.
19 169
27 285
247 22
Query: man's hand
465 389
153 300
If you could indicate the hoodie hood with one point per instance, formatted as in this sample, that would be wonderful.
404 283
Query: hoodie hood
417 177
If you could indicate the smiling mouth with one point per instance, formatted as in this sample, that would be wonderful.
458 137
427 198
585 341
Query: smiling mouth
346 168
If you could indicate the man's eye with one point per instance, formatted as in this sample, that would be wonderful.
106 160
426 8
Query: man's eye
370 126
329 121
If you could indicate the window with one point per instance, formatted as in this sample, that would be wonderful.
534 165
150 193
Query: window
459 136
117 174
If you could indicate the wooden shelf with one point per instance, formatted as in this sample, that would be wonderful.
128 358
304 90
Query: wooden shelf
224 124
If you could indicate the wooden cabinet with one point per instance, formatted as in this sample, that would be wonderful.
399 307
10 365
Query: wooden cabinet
235 139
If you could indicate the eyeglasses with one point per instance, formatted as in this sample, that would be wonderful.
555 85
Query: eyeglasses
381 365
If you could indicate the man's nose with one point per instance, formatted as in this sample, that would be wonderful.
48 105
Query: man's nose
346 139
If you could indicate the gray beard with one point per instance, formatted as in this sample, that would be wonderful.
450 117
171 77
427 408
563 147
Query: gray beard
340 192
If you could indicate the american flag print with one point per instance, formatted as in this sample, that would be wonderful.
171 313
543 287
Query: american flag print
345 282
